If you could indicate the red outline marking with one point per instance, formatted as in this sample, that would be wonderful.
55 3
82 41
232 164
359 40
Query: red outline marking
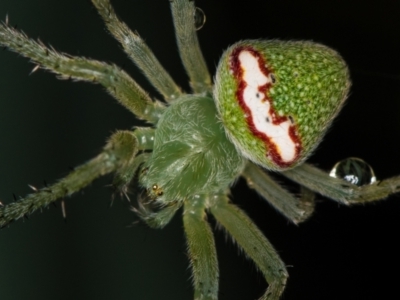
272 150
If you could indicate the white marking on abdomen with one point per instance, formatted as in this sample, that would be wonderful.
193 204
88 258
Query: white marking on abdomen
260 106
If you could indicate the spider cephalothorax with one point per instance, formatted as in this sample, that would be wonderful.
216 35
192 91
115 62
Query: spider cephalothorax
270 105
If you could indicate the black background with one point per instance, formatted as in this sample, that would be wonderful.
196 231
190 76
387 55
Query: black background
48 125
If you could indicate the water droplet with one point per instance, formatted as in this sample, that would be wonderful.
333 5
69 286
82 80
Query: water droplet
354 170
199 18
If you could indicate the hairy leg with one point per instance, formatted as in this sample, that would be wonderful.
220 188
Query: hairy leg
118 152
341 190
248 237
138 51
183 12
116 81
296 210
201 247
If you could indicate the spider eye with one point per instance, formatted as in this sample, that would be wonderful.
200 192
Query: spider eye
157 190
276 99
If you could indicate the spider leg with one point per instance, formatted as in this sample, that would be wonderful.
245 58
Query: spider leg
138 51
115 80
341 190
201 247
124 175
118 152
296 210
183 13
248 237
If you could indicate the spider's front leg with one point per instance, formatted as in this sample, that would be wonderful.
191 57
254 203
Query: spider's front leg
119 152
120 155
116 81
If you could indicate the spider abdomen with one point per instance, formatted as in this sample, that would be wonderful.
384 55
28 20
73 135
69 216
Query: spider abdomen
277 98
191 153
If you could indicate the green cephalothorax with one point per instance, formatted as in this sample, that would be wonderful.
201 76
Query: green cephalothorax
191 153
277 98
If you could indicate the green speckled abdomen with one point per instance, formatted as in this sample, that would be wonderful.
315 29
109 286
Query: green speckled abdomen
277 98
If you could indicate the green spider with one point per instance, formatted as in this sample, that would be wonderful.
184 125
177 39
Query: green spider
196 187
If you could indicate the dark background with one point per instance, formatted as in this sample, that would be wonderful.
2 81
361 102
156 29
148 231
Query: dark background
47 126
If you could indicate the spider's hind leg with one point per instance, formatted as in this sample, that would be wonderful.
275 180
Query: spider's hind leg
340 190
183 12
295 209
